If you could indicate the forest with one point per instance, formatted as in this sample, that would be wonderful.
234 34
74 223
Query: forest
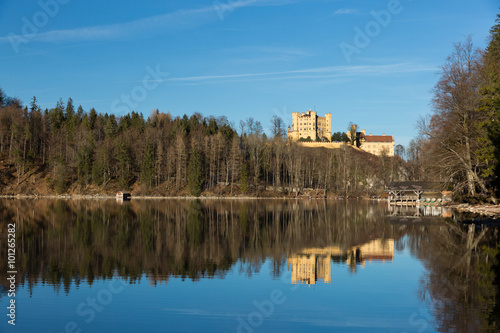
68 150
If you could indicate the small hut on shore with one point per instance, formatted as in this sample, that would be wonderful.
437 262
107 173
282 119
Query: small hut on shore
123 195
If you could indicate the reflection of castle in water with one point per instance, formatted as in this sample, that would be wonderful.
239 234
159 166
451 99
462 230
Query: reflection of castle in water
311 265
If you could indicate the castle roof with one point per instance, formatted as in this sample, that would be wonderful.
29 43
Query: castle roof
412 186
378 138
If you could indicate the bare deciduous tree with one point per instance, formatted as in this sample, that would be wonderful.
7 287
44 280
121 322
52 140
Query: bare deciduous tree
454 138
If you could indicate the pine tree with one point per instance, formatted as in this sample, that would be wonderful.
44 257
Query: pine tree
195 172
57 116
148 172
491 103
84 165
79 113
98 172
60 184
92 118
70 110
124 165
111 127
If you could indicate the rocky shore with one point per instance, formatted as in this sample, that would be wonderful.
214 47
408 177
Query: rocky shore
492 211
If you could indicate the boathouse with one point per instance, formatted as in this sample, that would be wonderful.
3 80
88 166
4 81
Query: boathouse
414 192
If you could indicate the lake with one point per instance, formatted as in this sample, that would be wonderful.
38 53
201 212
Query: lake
244 266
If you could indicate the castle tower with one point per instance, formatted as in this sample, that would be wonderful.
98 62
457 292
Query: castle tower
309 125
328 126
293 133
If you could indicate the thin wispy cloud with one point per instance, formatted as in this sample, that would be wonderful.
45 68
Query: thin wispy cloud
311 73
341 11
49 50
264 54
345 11
164 23
266 49
279 50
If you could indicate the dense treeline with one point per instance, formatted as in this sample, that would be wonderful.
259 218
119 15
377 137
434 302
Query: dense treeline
68 150
459 142
76 151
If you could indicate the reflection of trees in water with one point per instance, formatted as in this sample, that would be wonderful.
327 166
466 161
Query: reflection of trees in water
460 282
3 291
63 243
195 223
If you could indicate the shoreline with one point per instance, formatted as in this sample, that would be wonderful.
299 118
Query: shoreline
482 209
142 197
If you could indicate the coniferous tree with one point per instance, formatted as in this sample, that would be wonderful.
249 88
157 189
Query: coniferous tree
60 184
340 137
84 165
92 118
491 104
79 113
148 165
70 110
98 172
111 127
195 172
101 165
124 165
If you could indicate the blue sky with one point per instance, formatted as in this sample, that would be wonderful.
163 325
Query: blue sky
239 58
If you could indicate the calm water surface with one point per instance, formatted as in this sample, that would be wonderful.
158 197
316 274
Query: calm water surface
245 266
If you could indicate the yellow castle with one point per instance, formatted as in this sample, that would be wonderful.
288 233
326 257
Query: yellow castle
309 125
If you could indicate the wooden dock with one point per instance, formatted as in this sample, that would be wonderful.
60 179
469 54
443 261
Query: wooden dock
414 193
405 200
